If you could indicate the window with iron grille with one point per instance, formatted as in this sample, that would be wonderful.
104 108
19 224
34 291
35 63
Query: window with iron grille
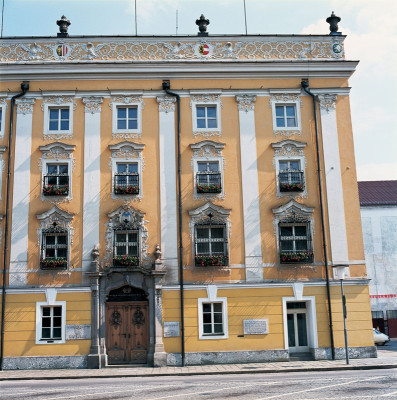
295 243
51 323
54 249
126 248
56 181
286 116
208 177
58 119
127 118
290 176
126 180
213 321
206 117
210 245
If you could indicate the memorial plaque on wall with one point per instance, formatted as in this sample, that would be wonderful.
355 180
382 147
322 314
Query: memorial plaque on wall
256 327
78 332
171 329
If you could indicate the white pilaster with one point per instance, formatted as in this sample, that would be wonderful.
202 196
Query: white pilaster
168 203
333 178
21 194
92 152
249 173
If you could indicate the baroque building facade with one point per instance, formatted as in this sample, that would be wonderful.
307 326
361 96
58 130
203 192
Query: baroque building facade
165 204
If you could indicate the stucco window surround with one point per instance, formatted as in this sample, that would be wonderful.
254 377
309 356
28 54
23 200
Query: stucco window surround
3 109
286 99
212 299
206 216
128 219
290 150
127 152
205 100
56 153
58 102
55 221
126 102
288 215
208 151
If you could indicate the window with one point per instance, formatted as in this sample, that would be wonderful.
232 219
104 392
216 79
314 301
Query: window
54 249
56 181
290 176
126 180
286 116
126 248
212 319
127 118
50 322
208 177
210 245
58 119
206 117
295 243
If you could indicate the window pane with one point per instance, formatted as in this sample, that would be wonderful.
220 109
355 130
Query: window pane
133 237
64 125
52 169
201 123
202 167
50 253
217 307
301 244
132 250
64 113
53 125
280 122
279 111
132 112
286 230
211 112
50 240
54 112
63 180
294 165
62 239
300 230
203 248
121 112
200 111
217 248
63 169
121 250
57 311
218 328
46 322
121 124
290 111
206 307
213 166
212 123
46 311
302 334
287 245
291 330
207 329
283 165
121 237
132 168
202 233
62 253
132 124
207 318
57 321
217 233
121 168
57 333
46 333
218 318
291 122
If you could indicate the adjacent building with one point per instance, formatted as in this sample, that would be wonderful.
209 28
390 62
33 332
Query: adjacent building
165 204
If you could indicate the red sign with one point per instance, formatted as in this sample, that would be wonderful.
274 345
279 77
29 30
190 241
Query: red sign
382 296
203 49
62 50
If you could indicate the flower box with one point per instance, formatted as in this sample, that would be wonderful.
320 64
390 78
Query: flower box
55 190
125 261
211 261
210 188
128 189
297 257
54 263
291 187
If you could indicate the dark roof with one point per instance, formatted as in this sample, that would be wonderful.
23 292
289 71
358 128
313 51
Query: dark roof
377 193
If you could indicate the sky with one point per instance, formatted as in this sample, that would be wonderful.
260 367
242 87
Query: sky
370 26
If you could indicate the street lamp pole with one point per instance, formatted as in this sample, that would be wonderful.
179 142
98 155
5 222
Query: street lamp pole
341 270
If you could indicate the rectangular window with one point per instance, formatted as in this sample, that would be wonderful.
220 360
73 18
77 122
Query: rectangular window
58 119
212 314
208 177
126 248
290 176
51 323
295 243
127 118
126 180
55 250
56 182
206 117
286 116
210 243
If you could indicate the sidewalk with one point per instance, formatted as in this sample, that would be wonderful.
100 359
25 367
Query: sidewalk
385 360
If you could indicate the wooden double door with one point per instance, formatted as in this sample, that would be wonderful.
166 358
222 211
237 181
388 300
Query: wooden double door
127 332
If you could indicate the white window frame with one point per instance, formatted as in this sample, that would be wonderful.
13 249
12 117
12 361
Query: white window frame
3 109
58 133
39 306
286 99
219 160
45 164
126 102
127 232
137 161
206 336
211 240
206 100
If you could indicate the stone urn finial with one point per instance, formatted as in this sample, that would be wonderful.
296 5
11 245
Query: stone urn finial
63 24
333 21
202 23
157 253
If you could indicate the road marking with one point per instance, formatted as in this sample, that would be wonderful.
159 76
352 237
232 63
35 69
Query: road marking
318 388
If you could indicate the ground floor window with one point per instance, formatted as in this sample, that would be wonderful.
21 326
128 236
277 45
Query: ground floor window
213 318
50 323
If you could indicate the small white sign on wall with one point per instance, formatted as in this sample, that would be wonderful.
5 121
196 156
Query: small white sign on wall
171 329
256 327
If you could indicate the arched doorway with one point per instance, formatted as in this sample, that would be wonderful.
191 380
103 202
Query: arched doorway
127 326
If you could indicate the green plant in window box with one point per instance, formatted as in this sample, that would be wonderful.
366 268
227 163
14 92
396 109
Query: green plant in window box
55 190
209 188
54 263
126 261
291 187
218 260
297 257
129 189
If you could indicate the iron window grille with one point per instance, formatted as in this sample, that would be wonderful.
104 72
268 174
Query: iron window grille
56 182
51 323
210 245
206 117
208 177
295 243
286 116
126 180
58 119
127 118
54 253
126 248
212 319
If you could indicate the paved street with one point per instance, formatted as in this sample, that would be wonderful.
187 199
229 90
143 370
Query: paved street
374 384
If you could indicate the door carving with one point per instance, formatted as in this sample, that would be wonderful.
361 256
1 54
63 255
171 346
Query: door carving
127 332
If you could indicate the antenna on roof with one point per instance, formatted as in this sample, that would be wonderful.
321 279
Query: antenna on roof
136 23
176 28
245 18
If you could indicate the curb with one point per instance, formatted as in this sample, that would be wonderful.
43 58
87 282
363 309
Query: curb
239 372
